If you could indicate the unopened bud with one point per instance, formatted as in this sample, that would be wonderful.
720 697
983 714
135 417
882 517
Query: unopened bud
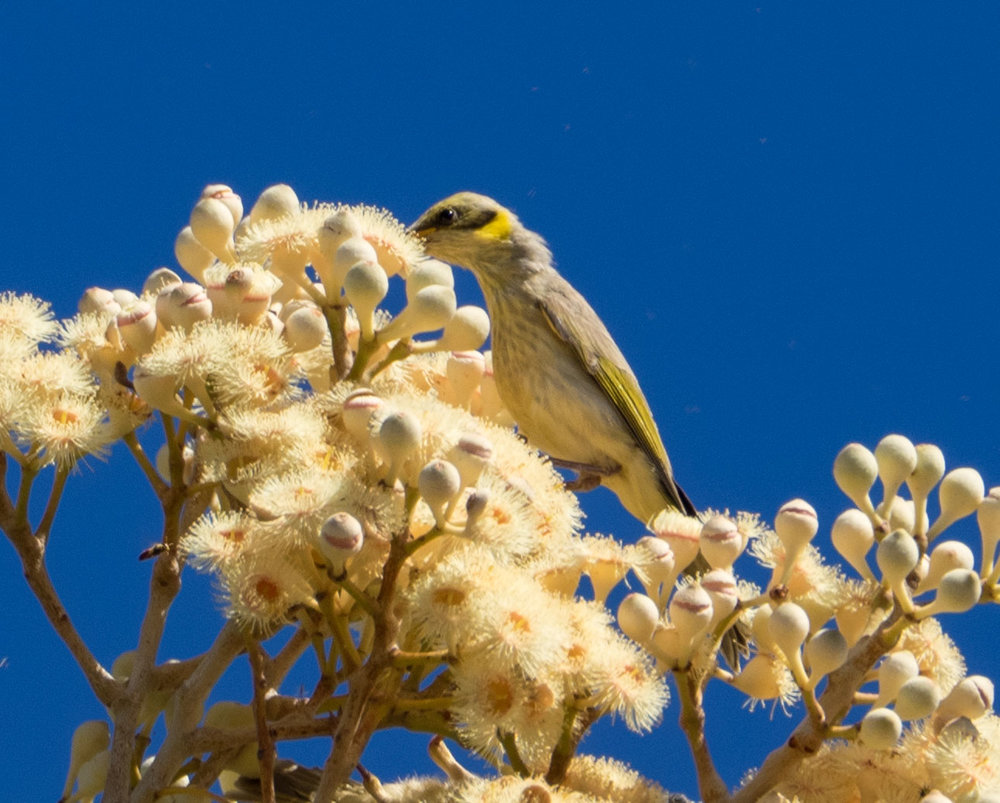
917 698
229 199
471 455
880 729
158 280
213 225
946 556
428 310
957 592
789 626
927 474
348 254
398 438
341 537
466 330
137 326
721 587
795 525
440 484
971 697
852 535
988 518
691 614
638 617
825 652
720 542
682 534
464 371
897 555
191 254
183 305
305 328
357 413
98 300
855 469
896 668
365 285
274 203
896 458
428 273
960 493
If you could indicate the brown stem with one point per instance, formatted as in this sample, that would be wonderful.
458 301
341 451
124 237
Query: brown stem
265 750
692 722
575 725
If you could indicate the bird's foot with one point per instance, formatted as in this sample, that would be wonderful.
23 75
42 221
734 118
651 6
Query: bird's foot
588 476
584 482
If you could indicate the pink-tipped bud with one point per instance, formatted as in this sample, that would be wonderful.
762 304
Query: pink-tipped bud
795 525
720 541
972 697
357 412
721 587
213 225
682 533
471 455
183 305
690 613
98 300
229 199
464 372
137 326
428 273
340 538
638 617
946 556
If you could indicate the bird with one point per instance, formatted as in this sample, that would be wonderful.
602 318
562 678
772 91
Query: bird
557 369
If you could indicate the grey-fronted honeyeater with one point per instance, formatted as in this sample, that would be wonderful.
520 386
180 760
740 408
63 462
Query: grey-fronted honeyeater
557 369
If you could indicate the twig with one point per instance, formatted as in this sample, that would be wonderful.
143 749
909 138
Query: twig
152 476
55 494
692 722
265 749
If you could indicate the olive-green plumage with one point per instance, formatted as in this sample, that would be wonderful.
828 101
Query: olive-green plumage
557 369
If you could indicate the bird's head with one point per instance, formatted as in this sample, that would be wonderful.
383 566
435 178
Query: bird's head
476 232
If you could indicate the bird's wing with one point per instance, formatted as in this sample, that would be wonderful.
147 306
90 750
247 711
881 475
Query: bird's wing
621 387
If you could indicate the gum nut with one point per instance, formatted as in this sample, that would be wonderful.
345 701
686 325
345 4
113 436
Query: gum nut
338 227
399 434
959 591
789 626
431 308
825 652
880 729
657 558
720 541
98 300
124 297
340 537
137 326
230 199
896 457
896 668
855 470
428 273
897 555
637 617
439 482
988 517
305 328
159 279
961 491
191 254
691 611
721 587
902 514
971 697
929 470
466 331
917 698
365 285
852 535
183 305
471 455
213 224
352 251
946 556
796 524
277 201
357 412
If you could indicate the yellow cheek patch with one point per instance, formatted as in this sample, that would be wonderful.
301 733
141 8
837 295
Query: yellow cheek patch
499 228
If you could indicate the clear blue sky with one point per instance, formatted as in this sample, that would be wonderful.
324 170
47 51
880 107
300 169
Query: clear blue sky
785 212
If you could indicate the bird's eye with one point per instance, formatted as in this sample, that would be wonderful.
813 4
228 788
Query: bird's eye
446 216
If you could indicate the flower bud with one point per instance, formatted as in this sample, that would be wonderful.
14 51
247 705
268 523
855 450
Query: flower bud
158 280
971 697
960 493
825 652
657 569
440 485
98 300
880 729
958 591
274 203
467 330
638 617
183 305
357 413
89 739
398 438
902 515
191 254
852 535
428 273
365 285
917 698
720 542
896 668
854 470
428 310
896 458
340 226
761 629
341 537
795 525
475 506
682 534
305 328
213 225
137 326
464 371
471 455
348 254
789 626
897 555
946 556
160 393
988 518
691 614
721 587
229 199
927 474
